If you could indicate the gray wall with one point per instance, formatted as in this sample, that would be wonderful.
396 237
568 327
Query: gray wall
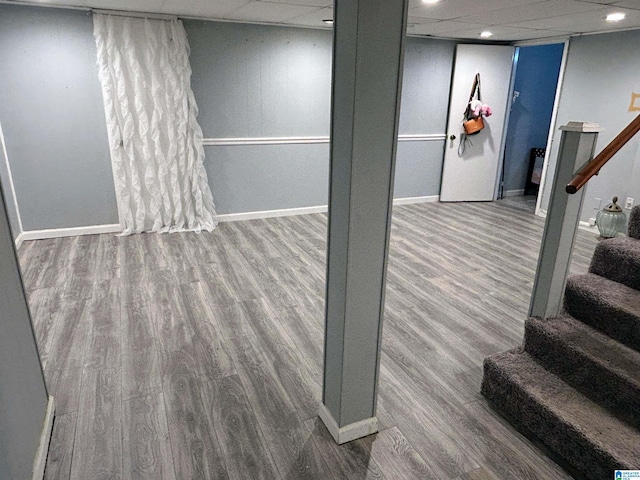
6 185
249 81
426 86
602 71
23 397
253 81
53 118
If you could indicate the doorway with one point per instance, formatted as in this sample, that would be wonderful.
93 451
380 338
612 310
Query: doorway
537 69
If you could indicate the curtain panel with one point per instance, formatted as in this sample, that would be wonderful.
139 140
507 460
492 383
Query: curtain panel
155 140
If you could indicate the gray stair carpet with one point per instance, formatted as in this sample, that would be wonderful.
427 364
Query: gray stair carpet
575 384
618 259
601 368
606 305
580 431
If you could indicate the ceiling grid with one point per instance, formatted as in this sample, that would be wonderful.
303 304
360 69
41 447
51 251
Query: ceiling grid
508 20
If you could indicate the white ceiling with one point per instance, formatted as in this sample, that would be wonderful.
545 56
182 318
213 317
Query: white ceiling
508 20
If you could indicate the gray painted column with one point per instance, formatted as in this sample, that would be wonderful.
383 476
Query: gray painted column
367 76
577 146
25 417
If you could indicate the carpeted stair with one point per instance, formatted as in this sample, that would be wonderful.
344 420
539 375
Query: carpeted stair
575 384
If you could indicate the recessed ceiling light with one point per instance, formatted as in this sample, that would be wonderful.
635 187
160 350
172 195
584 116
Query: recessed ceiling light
486 34
430 2
615 17
328 21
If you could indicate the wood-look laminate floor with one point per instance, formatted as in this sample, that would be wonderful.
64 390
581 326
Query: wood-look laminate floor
185 356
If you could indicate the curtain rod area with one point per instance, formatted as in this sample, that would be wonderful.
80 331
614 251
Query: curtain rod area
124 13
120 13
27 3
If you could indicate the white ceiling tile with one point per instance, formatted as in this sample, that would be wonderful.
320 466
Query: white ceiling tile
535 11
451 9
501 32
585 21
445 26
420 20
633 4
257 11
448 18
314 19
202 8
67 3
464 35
308 3
146 6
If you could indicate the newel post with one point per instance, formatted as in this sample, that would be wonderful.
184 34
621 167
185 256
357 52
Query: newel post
577 147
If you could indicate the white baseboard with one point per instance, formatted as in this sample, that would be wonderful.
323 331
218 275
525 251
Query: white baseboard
19 240
287 212
582 225
585 226
350 432
412 200
513 193
228 217
69 232
40 460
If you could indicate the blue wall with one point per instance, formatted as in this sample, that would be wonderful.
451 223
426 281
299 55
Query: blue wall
255 81
53 118
249 81
536 81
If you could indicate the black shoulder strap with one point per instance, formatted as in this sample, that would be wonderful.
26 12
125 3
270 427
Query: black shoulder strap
476 86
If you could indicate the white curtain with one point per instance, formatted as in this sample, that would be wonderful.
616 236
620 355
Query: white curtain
155 140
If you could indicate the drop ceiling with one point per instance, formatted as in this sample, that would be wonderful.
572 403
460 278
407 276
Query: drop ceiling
508 20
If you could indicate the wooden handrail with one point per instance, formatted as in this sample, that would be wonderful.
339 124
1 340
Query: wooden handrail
593 167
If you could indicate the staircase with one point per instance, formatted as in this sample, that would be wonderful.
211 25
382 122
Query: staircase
575 383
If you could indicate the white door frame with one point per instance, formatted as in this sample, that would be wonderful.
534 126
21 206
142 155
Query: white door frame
505 130
552 127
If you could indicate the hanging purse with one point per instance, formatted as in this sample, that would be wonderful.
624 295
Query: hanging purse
471 123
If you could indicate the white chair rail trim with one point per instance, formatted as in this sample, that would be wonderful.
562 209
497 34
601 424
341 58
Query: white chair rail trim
228 142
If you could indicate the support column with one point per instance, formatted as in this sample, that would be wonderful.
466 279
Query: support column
577 147
368 47
26 417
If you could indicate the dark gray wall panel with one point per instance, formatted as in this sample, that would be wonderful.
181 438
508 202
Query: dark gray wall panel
53 118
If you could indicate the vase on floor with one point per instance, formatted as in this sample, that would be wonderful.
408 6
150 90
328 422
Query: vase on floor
611 220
